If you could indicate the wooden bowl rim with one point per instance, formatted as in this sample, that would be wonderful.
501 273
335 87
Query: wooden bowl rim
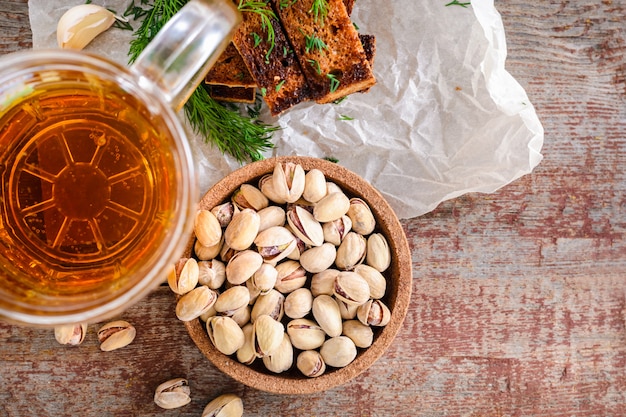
391 228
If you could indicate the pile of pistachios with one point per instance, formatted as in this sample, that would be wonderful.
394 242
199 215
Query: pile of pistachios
288 266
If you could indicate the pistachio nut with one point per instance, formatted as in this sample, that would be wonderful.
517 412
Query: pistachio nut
266 184
378 253
310 363
300 246
225 334
332 187
173 394
185 276
226 405
249 197
327 315
361 334
348 311
208 314
324 282
242 266
374 313
254 291
375 280
269 304
212 273
231 300
241 315
331 207
363 221
351 288
246 353
335 231
264 278
338 351
242 229
304 226
224 212
206 253
351 252
226 252
305 334
195 303
314 185
267 335
70 334
207 228
288 181
291 276
115 335
298 303
282 358
275 243
271 216
318 258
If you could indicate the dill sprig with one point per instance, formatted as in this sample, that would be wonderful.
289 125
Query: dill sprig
319 9
245 138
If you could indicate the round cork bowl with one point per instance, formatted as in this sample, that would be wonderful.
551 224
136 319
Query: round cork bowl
397 297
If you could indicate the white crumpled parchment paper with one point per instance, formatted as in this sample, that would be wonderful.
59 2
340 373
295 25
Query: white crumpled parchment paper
444 119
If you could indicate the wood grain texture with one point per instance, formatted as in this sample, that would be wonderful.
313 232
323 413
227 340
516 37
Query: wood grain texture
519 297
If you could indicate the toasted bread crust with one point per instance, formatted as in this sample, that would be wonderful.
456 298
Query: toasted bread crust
343 57
232 94
230 70
277 74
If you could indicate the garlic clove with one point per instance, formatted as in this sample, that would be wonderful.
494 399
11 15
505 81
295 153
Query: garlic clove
81 24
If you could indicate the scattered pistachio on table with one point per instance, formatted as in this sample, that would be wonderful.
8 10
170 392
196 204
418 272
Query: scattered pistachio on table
115 335
299 267
226 405
70 334
172 394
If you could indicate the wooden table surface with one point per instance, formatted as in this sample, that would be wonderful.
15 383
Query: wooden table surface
519 297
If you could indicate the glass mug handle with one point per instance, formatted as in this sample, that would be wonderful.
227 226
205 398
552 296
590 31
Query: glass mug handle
179 56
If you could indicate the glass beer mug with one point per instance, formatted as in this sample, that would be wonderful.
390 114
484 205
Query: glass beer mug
97 187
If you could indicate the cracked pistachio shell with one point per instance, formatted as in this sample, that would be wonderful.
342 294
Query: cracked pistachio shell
282 358
310 363
318 258
195 303
269 304
225 334
242 229
327 315
361 334
305 334
207 228
224 212
81 24
378 253
226 252
266 185
185 276
351 288
331 207
242 266
264 278
363 221
314 185
206 253
212 273
231 300
172 394
70 334
351 252
246 353
375 280
241 315
304 226
348 311
338 351
288 181
335 231
275 243
271 216
226 405
324 282
115 335
267 335
249 197
298 303
291 276
298 249
374 313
